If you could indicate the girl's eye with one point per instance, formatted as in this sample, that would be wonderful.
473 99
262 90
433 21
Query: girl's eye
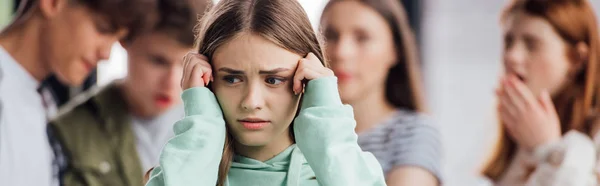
232 79
274 81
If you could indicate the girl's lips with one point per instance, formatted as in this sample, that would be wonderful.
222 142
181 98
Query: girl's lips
254 123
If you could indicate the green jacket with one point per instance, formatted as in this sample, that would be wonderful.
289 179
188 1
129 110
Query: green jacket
97 138
326 152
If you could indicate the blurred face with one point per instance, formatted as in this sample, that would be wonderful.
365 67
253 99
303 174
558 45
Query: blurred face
361 46
74 40
535 53
154 73
253 83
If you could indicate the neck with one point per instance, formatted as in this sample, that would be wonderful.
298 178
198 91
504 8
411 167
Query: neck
265 152
23 43
371 110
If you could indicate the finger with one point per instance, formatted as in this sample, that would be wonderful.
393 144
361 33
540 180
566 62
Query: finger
506 115
184 74
509 107
310 74
303 74
187 81
182 78
505 100
187 59
314 60
195 79
512 96
546 102
193 58
184 60
509 129
201 57
196 58
523 92
207 68
189 62
206 75
298 77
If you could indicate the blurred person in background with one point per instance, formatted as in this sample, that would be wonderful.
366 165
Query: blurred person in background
62 37
373 53
114 134
548 98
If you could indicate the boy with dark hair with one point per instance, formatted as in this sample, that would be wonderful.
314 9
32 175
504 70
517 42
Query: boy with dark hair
114 134
62 37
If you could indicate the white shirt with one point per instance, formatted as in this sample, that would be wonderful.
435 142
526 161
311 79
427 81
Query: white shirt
151 135
571 161
25 153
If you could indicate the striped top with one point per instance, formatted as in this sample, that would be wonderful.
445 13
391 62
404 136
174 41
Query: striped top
405 139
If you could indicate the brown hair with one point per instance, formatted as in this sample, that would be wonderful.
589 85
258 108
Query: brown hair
177 18
577 102
282 22
403 83
130 14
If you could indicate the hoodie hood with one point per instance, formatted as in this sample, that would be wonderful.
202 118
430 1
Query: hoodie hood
283 169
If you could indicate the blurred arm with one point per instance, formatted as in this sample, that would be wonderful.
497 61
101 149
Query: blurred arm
409 176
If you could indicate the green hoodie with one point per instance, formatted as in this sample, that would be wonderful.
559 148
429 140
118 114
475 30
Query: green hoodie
326 151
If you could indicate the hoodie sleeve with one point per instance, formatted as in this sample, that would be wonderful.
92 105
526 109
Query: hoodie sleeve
570 161
192 157
324 131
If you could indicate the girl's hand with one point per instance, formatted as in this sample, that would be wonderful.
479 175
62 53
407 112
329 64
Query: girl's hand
308 69
197 72
530 120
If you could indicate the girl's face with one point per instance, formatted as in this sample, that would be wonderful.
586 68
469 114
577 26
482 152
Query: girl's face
361 46
535 53
253 84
